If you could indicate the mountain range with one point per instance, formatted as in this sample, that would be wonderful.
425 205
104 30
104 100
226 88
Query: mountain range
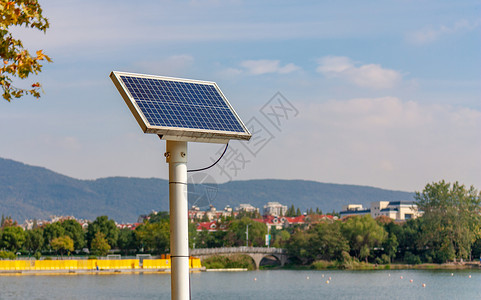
30 192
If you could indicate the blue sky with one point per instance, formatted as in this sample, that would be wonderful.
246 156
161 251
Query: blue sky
382 93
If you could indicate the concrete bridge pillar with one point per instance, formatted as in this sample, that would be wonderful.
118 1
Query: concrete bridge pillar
257 257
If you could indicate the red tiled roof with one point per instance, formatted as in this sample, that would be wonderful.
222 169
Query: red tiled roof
209 226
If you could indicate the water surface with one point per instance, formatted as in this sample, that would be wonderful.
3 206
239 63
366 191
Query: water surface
275 284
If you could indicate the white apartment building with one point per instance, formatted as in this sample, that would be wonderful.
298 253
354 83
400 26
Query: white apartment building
275 209
396 210
247 208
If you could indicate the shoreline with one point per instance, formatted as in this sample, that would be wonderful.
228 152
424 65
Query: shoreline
394 266
426 266
91 272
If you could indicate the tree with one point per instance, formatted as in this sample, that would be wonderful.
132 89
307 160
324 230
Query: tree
408 236
159 217
279 237
291 211
323 241
13 238
154 237
390 246
99 244
298 212
34 241
206 239
17 61
236 235
8 221
127 240
74 230
107 227
300 246
329 241
62 244
363 234
451 219
52 231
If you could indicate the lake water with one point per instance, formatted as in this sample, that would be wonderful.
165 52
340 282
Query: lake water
275 284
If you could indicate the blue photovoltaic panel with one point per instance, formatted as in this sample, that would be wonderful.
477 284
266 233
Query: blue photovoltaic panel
178 107
181 104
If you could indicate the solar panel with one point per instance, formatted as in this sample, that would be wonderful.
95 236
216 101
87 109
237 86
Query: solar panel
180 109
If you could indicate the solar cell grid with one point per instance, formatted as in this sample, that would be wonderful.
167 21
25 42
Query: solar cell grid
166 104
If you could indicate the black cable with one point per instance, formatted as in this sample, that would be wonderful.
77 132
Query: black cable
197 170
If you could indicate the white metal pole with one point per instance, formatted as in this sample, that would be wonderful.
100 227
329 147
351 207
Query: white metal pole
176 156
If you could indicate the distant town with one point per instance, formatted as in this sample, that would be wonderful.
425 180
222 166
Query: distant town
274 215
442 225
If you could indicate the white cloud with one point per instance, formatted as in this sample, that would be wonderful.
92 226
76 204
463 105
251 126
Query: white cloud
265 66
368 76
334 64
389 142
430 34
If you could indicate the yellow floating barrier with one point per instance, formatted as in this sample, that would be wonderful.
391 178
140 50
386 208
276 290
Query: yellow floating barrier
91 264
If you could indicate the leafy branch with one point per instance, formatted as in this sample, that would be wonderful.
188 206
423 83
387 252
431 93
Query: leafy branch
17 61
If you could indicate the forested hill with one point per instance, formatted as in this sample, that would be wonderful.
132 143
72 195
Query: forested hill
36 192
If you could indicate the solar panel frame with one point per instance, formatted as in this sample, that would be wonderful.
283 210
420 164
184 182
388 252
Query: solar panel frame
220 120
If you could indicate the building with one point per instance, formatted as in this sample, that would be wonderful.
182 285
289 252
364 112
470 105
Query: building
247 208
274 209
281 222
34 223
212 214
354 210
396 210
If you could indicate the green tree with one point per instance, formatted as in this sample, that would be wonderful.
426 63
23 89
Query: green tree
329 241
390 245
300 246
159 217
154 237
192 234
323 241
476 249
74 230
127 240
363 234
206 239
236 234
291 211
107 227
34 240
451 219
62 244
99 244
13 238
298 212
17 61
279 238
408 236
52 231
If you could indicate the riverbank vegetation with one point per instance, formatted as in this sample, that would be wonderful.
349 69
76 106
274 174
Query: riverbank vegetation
238 261
448 231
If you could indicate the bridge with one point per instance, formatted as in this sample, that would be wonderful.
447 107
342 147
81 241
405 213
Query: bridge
256 253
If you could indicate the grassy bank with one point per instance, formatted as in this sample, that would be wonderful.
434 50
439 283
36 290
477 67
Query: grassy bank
238 261
355 265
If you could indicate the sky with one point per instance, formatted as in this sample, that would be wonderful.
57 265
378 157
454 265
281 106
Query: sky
377 93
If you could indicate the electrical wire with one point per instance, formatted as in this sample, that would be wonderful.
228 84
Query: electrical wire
203 169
